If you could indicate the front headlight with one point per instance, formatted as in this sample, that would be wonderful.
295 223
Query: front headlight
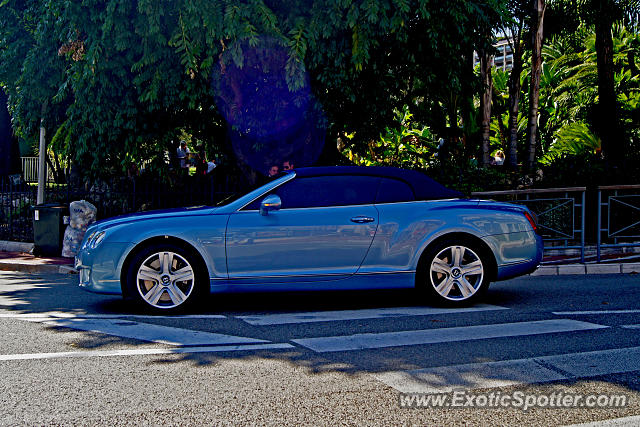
87 240
96 239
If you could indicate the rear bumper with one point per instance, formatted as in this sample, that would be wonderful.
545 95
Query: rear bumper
508 271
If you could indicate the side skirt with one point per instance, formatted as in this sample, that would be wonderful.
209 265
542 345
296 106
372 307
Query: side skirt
396 280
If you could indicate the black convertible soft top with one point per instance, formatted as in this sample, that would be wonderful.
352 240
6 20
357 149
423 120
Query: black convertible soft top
423 187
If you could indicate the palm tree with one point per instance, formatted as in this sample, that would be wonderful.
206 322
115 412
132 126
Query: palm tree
569 88
537 21
513 29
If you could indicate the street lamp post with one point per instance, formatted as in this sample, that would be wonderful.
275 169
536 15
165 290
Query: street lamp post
42 163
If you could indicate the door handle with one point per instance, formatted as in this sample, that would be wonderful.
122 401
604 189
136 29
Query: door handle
361 219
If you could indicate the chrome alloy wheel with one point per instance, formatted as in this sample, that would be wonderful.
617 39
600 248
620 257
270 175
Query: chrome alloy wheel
165 280
456 273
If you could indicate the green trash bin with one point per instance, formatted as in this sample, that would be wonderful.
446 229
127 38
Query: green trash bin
48 228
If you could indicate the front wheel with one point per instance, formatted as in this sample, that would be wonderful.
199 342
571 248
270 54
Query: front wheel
165 278
454 273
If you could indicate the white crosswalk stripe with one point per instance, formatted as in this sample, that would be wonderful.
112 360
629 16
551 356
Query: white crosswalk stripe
438 379
149 332
372 313
597 312
514 372
632 421
442 335
65 315
144 351
636 326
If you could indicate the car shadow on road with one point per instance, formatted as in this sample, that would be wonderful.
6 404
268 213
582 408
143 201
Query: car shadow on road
28 294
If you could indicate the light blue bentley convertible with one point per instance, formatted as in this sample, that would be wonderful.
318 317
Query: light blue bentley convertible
315 229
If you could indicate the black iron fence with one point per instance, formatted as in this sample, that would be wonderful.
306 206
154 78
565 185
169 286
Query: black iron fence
565 215
121 196
16 199
601 224
618 218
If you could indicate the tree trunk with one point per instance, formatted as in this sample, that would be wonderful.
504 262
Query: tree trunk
466 103
486 61
50 168
536 68
59 171
608 123
515 89
9 151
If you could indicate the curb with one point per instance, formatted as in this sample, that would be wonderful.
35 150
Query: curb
29 263
561 270
36 268
9 246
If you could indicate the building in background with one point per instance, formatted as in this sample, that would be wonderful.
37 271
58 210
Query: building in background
503 58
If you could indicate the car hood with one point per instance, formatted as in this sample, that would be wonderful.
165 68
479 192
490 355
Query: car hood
155 214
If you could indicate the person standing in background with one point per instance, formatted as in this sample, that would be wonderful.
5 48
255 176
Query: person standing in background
183 154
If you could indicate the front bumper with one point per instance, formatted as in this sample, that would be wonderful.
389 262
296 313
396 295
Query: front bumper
99 269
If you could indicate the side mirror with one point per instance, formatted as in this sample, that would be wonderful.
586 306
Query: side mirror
270 203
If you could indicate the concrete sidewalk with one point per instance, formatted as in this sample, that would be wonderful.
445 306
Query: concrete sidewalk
15 256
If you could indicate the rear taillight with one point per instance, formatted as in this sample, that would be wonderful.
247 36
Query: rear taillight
532 220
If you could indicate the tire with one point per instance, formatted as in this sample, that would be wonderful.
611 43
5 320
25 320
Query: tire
454 272
166 279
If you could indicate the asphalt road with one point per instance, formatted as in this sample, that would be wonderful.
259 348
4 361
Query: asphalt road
74 358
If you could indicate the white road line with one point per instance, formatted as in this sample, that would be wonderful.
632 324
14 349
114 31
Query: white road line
146 351
64 315
432 336
514 372
373 313
149 332
633 421
592 363
630 326
470 376
569 313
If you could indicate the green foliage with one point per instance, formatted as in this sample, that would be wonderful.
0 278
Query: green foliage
499 111
569 91
117 81
586 169
124 77
399 146
572 139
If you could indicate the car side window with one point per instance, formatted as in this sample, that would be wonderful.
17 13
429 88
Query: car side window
319 191
394 190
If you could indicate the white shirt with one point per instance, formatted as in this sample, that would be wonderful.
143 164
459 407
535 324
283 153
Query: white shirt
182 156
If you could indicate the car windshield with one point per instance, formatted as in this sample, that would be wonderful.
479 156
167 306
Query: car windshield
235 196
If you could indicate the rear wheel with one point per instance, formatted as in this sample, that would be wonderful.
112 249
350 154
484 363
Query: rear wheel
165 278
454 273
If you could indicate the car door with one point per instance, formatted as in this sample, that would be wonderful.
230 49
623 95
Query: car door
322 232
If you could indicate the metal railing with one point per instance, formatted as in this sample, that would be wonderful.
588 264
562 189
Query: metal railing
618 217
123 196
30 170
561 214
16 199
